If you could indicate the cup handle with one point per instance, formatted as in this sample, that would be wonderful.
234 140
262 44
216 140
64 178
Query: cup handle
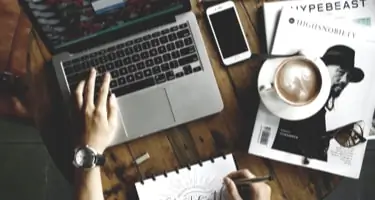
266 88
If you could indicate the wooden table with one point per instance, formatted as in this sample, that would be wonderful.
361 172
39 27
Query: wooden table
228 131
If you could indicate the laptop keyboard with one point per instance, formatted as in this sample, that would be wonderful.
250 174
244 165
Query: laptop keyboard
140 63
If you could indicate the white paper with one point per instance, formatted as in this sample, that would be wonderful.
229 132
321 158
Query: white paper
360 11
200 182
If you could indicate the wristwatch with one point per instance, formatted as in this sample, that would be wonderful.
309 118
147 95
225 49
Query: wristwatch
86 157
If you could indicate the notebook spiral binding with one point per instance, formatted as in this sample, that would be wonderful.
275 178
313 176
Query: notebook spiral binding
188 166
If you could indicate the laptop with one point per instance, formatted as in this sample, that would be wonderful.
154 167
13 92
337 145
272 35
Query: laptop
153 49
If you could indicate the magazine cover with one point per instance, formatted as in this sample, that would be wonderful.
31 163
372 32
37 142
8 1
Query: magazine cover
346 107
360 11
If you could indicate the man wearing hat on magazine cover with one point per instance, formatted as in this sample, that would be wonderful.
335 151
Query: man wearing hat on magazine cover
312 135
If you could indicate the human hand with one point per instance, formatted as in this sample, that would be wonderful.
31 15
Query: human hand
99 119
259 191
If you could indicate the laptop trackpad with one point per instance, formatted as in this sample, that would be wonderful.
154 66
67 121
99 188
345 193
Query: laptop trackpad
146 112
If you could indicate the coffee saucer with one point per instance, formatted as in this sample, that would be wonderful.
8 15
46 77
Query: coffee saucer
280 108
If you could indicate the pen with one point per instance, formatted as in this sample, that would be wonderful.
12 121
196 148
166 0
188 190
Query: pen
252 180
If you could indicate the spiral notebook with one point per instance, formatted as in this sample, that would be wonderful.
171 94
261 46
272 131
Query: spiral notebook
200 181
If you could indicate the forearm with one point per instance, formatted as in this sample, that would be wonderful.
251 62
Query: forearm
88 184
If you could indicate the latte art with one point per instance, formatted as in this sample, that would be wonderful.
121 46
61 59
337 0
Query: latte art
298 81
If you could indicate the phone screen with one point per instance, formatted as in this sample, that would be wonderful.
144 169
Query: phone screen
228 32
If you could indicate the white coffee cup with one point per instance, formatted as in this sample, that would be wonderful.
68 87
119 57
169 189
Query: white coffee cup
297 80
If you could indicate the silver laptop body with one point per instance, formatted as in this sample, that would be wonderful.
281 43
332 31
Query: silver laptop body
164 105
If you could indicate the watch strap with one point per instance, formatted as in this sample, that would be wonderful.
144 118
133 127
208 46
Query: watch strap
100 160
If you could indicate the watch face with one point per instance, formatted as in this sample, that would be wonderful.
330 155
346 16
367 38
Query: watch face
84 158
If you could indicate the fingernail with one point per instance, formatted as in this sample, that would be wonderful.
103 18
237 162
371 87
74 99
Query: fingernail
226 181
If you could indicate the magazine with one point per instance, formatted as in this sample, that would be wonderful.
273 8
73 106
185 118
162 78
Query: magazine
348 102
360 11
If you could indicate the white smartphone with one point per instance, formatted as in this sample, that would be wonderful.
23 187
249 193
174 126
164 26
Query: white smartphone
228 33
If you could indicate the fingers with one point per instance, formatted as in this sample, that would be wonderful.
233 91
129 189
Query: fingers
79 94
103 93
90 90
242 173
112 111
231 189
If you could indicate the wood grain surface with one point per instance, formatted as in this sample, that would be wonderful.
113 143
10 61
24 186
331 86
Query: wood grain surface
227 131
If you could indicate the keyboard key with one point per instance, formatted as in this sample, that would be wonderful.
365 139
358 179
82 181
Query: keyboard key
141 65
76 61
113 84
127 61
134 87
188 59
92 64
149 63
67 63
121 81
163 39
129 43
136 58
160 78
123 71
173 28
130 78
120 46
138 75
132 68
184 25
86 65
68 70
137 48
101 60
138 40
197 69
188 41
162 49
145 55
188 70
105 59
156 34
111 56
115 74
118 63
120 53
155 42
167 57
176 54
165 31
147 72
111 49
146 45
179 74
146 37
170 75
187 50
170 46
153 52
172 37
173 64
158 60
109 66
101 69
183 33
164 67
156 70
179 44
128 51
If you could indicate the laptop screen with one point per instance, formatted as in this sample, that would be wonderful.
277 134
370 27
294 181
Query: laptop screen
67 22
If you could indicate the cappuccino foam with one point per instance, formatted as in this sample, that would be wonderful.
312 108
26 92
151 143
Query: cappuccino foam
298 81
